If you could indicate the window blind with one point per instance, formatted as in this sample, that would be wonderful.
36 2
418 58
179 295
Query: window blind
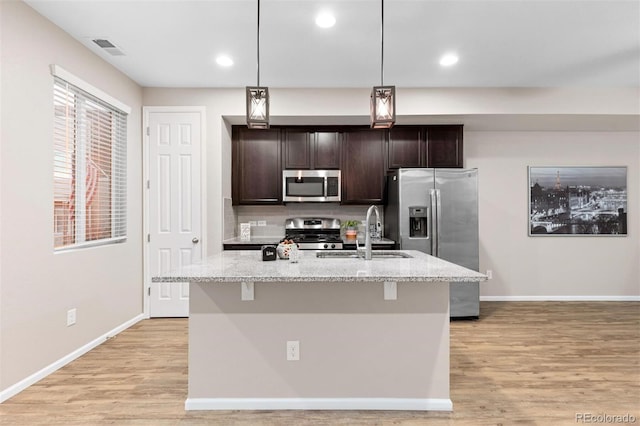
89 169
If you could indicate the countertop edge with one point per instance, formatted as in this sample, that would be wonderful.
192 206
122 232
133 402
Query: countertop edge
316 279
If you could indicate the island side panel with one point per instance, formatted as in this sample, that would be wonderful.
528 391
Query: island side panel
353 344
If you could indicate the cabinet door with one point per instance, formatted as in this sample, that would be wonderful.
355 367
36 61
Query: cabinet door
406 147
444 146
363 167
327 150
257 173
297 150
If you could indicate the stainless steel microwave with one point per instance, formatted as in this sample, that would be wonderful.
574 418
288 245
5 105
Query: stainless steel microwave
319 186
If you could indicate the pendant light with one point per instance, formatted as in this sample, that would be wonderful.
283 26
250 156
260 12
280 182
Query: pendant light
383 98
258 97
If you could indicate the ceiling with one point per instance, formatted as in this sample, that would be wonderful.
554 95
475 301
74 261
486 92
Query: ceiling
500 43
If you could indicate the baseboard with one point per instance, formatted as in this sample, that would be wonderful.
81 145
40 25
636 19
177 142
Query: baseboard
39 375
560 298
407 404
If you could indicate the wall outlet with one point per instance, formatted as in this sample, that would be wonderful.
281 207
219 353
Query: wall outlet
71 317
262 223
293 350
489 274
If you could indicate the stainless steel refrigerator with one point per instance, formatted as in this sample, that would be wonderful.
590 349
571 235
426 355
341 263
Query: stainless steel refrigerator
436 211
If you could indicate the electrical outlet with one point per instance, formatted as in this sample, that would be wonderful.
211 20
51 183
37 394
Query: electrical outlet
262 223
71 317
489 274
293 350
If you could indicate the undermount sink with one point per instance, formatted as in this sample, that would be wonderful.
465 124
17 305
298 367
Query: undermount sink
352 254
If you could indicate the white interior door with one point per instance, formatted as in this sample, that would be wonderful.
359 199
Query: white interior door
174 213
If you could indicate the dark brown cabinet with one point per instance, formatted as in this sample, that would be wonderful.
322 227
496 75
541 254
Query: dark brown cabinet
326 150
362 154
256 166
425 146
297 149
363 165
311 150
406 147
444 146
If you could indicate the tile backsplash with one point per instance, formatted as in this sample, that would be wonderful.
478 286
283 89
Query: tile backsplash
274 216
231 226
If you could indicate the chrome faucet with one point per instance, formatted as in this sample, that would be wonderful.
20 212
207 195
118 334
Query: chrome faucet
367 231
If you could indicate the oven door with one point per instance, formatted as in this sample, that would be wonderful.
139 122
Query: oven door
310 186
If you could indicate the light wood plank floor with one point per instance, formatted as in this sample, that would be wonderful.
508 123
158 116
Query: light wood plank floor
522 363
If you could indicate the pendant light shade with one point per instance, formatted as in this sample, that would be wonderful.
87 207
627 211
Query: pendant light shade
258 97
383 98
258 107
383 107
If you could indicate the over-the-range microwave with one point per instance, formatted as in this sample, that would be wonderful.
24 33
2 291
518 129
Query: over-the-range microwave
318 186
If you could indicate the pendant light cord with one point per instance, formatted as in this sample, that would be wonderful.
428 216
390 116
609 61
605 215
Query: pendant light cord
381 42
258 43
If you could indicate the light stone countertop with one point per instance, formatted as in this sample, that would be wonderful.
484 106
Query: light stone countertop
237 266
276 240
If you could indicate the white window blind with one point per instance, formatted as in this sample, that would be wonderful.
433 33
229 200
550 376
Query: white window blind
89 169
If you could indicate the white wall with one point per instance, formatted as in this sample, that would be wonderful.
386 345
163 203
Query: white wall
561 267
37 285
523 266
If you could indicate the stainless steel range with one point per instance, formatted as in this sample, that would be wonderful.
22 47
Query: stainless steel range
314 233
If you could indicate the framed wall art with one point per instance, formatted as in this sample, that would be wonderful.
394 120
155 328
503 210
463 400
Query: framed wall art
577 201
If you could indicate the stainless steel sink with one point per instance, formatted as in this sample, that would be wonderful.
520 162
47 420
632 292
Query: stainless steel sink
352 254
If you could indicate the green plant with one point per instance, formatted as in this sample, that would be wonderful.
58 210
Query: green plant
350 223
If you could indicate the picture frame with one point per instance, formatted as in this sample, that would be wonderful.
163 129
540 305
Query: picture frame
577 201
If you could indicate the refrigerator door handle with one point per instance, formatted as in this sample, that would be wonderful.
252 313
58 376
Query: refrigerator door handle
433 216
438 217
436 223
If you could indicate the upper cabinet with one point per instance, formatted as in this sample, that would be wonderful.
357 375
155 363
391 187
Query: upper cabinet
311 150
256 166
297 149
363 155
406 147
363 166
326 150
444 146
425 146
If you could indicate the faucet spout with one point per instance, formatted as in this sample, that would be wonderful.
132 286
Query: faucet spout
367 231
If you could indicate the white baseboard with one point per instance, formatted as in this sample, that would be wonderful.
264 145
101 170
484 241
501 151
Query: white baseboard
560 298
39 375
407 404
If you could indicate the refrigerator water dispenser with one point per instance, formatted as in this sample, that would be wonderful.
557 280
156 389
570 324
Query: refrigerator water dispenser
418 222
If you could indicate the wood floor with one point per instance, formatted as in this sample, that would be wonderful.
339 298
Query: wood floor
528 363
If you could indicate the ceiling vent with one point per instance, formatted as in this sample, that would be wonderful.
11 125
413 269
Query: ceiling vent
109 47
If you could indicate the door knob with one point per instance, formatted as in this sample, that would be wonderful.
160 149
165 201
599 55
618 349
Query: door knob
195 240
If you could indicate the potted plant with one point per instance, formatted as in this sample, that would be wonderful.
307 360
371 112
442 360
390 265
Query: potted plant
350 228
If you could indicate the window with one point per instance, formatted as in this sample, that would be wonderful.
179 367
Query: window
89 168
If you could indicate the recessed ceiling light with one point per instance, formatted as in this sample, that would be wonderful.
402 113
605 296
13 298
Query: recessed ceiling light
325 20
224 61
449 59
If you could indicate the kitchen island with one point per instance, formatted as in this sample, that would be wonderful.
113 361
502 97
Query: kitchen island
368 334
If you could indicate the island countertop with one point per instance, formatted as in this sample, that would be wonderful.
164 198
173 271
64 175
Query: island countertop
238 266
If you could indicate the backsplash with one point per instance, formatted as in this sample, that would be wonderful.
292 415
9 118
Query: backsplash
274 216
231 227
